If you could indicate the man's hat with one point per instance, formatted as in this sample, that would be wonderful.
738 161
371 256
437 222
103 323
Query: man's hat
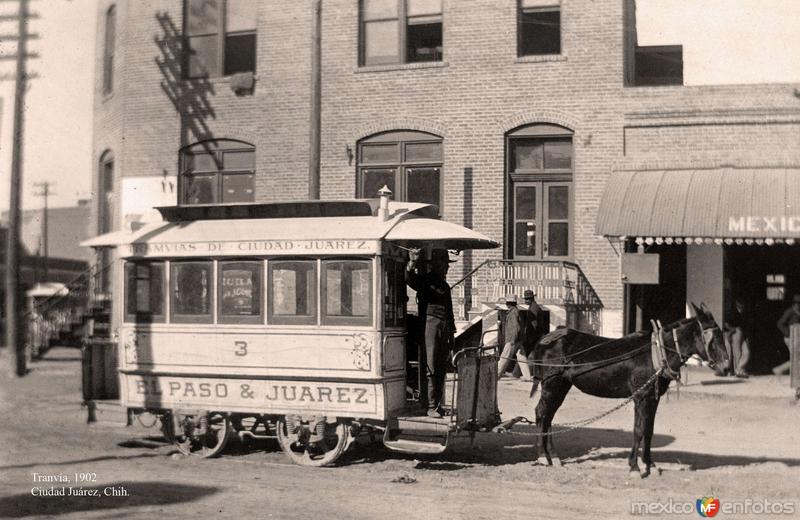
528 294
511 298
796 298
441 254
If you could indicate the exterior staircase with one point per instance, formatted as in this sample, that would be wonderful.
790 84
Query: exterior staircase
63 318
561 288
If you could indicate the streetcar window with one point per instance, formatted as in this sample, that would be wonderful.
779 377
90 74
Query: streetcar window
190 292
144 292
239 292
293 291
346 292
395 296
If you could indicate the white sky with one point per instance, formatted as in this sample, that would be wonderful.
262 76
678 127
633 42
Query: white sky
58 120
725 41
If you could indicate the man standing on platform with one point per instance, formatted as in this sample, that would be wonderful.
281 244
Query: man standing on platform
435 307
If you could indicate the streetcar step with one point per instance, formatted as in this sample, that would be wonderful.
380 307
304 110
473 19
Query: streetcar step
411 446
424 424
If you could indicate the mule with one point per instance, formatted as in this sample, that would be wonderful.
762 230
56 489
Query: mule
619 368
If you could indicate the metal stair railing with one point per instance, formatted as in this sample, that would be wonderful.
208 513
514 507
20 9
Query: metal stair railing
555 282
47 319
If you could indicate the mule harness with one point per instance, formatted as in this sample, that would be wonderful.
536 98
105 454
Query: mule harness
658 349
660 364
505 426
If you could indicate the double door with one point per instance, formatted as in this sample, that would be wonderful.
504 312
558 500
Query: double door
540 215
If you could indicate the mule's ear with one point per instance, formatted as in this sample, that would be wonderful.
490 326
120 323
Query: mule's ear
697 311
706 310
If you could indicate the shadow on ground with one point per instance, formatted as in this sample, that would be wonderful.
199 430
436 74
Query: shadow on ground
80 461
578 447
139 494
499 449
587 445
43 361
693 461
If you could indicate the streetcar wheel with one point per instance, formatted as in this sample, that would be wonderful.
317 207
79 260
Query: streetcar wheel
201 436
312 441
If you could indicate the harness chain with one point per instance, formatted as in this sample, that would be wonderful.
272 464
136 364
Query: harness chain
506 426
657 342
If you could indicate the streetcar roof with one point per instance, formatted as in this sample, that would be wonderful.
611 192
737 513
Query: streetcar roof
407 223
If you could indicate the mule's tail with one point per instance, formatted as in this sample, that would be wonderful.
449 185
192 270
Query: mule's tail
534 387
536 373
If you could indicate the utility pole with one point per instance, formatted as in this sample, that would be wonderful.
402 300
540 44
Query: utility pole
15 337
45 186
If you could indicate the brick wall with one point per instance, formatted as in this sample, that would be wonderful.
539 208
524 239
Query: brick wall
479 93
482 92
153 112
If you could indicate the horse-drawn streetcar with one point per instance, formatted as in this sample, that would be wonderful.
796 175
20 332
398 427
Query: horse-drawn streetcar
289 321
284 320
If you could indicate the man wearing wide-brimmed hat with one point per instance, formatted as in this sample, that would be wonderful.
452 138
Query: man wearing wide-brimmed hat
533 320
435 307
513 333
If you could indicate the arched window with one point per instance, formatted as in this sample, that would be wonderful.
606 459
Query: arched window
105 220
221 171
108 50
105 208
539 166
409 163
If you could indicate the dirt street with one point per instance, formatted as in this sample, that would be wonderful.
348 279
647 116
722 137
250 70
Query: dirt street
733 446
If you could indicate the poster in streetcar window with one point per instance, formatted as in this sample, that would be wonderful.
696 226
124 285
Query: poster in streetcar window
240 289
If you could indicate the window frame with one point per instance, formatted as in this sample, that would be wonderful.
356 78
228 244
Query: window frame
208 318
394 292
775 287
325 318
109 49
542 179
314 303
218 148
250 319
221 43
144 317
105 210
555 6
400 139
403 22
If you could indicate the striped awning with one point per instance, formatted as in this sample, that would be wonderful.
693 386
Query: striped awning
720 205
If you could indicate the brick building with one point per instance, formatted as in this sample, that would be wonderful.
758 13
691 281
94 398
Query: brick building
512 116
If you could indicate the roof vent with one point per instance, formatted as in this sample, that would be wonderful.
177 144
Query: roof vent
383 210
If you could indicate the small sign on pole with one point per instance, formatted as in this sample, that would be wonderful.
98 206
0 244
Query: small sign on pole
640 269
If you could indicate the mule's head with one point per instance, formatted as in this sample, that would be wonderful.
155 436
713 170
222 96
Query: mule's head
712 347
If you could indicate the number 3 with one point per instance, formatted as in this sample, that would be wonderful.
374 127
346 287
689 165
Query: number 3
242 348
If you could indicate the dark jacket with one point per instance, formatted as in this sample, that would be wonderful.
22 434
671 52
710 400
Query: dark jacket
789 318
741 320
433 297
532 319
